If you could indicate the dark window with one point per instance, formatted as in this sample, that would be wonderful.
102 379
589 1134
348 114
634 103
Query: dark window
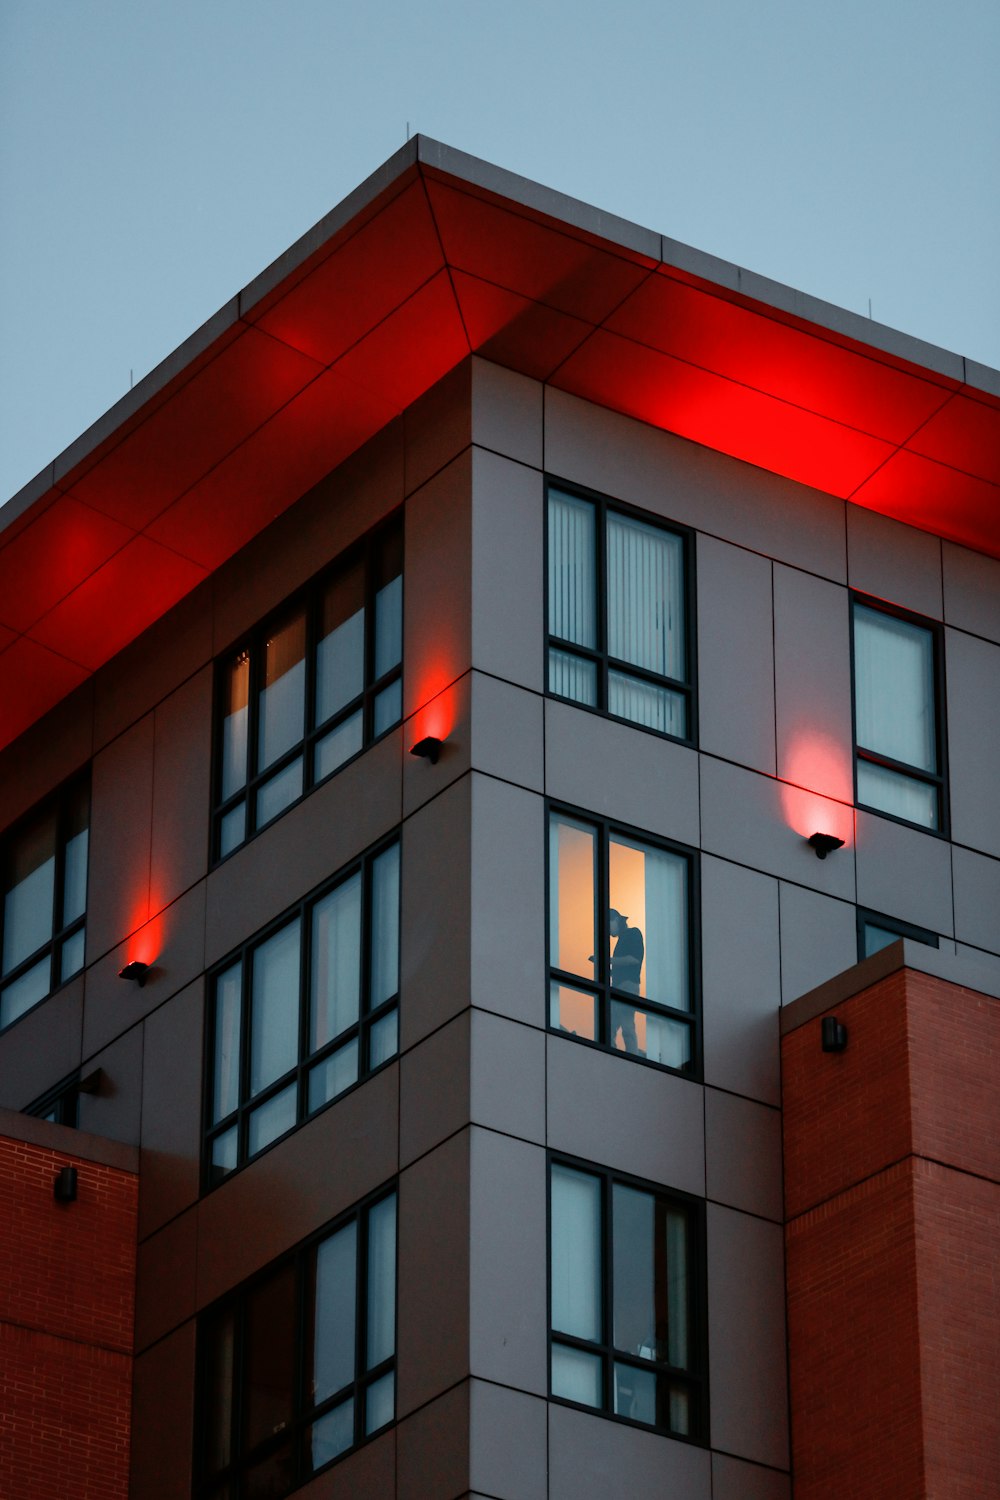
619 618
898 732
298 1367
44 868
621 943
876 932
303 1011
60 1105
312 687
626 1315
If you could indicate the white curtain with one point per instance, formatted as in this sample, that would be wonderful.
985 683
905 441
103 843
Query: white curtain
572 570
576 1253
381 1282
274 1043
336 962
666 922
644 703
385 926
645 597
894 688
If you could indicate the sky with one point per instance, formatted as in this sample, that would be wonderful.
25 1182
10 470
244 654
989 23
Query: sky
155 155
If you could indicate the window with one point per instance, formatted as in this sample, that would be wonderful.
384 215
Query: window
44 867
313 686
60 1105
899 744
618 614
298 1367
303 1011
621 948
876 932
627 1328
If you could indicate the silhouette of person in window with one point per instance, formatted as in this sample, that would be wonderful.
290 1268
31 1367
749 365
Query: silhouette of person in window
626 970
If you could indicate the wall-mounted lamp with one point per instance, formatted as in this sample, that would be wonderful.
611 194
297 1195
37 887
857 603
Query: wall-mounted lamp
64 1187
834 1034
427 749
825 843
136 971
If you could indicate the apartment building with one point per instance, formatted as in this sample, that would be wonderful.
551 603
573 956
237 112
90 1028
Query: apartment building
499 730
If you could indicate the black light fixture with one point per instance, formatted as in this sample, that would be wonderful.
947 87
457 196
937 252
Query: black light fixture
825 843
64 1187
427 749
135 971
834 1035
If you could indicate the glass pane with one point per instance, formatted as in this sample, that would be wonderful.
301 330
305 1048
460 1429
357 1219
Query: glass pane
271 1477
336 963
648 898
574 1011
234 725
383 1040
274 1038
380 1403
268 1364
572 569
876 938
25 992
385 926
646 1034
572 881
75 878
232 829
272 1119
226 1066
72 956
280 792
679 1409
224 1149
899 795
29 885
573 677
332 1435
576 1253
635 1394
388 707
331 1300
645 570
381 1342
894 688
281 705
218 1392
340 655
576 1375
333 1075
644 703
388 627
650 1277
338 746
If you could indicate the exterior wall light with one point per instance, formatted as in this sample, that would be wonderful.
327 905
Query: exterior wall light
427 749
825 843
136 970
834 1034
64 1187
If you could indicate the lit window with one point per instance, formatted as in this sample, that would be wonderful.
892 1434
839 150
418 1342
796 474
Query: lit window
299 1367
626 1316
311 688
620 941
44 865
897 719
303 1011
618 617
876 932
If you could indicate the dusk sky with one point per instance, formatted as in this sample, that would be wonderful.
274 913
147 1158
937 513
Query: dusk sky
155 155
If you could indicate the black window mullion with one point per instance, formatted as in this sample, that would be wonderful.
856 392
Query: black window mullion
360 1327
602 887
608 1290
601 602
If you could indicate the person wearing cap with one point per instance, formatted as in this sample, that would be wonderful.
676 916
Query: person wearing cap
626 969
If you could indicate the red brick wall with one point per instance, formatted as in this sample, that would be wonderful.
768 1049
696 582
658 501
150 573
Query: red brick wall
67 1291
892 1155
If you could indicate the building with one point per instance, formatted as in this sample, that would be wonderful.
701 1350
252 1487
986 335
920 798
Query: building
419 698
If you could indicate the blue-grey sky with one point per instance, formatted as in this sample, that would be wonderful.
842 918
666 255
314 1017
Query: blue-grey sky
156 154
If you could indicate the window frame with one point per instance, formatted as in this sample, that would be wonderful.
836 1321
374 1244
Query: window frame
901 929
862 755
309 600
603 662
61 802
696 1377
305 1061
229 1479
61 1103
601 987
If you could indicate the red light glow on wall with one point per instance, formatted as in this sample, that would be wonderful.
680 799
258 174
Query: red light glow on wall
818 794
437 696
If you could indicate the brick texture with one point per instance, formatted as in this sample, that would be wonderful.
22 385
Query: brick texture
892 1161
67 1294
